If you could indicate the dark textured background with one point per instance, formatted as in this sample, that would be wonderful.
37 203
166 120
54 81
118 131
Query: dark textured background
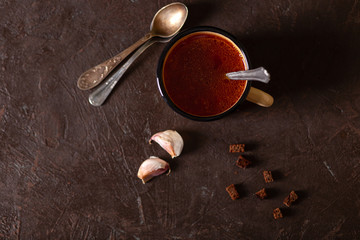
68 170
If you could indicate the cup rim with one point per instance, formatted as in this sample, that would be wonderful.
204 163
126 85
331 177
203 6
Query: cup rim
161 61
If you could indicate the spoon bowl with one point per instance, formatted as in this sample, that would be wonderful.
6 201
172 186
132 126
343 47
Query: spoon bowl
165 24
168 20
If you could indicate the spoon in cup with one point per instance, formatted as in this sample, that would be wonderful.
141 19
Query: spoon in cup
165 24
258 74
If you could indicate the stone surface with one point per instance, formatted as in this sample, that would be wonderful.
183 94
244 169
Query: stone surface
68 170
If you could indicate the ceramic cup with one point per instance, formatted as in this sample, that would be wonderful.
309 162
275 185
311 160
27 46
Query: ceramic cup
191 74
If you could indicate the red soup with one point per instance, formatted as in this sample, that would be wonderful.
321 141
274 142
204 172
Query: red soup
194 74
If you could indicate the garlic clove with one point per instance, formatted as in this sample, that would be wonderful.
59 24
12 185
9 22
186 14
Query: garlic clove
152 167
169 140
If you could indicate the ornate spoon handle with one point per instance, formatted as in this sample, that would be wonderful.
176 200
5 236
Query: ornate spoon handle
95 75
98 97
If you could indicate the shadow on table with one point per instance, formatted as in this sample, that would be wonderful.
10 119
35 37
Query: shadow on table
199 12
277 175
242 190
287 212
254 161
302 194
303 60
193 139
272 192
251 146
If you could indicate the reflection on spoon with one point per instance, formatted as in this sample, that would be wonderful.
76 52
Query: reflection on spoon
166 23
257 74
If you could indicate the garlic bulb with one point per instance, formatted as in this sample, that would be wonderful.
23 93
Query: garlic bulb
152 167
169 140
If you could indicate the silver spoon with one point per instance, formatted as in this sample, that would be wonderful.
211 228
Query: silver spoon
257 74
98 97
166 23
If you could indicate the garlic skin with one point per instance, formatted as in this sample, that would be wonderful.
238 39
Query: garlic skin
169 140
152 167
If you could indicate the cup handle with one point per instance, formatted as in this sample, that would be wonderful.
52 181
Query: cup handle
259 97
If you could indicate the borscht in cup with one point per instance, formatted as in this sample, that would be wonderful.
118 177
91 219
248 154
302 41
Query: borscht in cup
192 69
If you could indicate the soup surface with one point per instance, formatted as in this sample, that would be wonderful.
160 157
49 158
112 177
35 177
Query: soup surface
194 74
